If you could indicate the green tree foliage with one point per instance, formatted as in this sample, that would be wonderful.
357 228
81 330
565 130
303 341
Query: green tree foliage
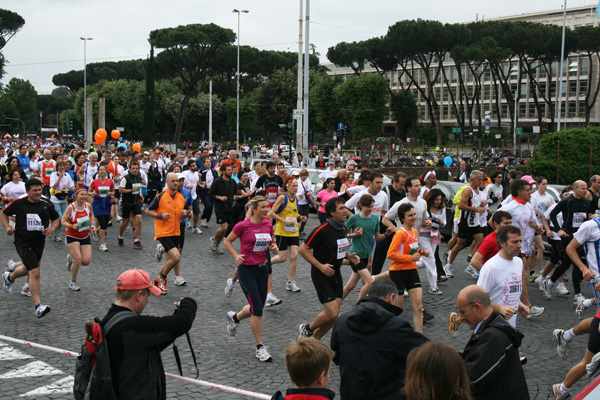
10 24
587 41
277 100
23 95
405 112
573 161
362 100
327 112
150 99
8 109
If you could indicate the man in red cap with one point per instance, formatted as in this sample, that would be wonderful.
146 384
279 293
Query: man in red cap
135 343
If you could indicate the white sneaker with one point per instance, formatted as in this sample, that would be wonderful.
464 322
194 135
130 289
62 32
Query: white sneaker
10 265
179 281
561 288
57 239
118 218
472 271
25 291
95 236
103 247
577 297
41 310
540 282
273 301
436 291
229 287
231 324
219 249
292 287
580 309
73 286
213 245
7 282
535 311
449 270
262 354
158 255
203 223
188 225
197 230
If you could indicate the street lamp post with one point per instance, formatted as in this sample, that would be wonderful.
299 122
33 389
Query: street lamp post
515 71
562 58
85 87
237 75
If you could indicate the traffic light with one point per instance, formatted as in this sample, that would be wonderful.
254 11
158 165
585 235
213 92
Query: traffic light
70 125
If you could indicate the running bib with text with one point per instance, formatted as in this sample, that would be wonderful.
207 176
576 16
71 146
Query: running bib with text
290 228
83 223
261 242
103 191
34 223
342 247
578 219
511 292
135 188
48 171
414 248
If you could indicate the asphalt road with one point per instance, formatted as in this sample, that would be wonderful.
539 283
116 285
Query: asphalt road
27 372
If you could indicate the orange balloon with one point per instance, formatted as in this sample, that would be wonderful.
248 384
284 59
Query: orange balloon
115 134
137 147
100 136
95 144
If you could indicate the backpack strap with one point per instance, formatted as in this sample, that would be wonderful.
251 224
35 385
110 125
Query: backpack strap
123 315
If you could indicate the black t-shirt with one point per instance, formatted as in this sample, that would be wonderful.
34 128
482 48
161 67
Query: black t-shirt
329 245
594 204
31 220
271 185
240 188
132 182
574 214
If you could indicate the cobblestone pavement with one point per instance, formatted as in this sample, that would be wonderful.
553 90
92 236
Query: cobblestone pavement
32 373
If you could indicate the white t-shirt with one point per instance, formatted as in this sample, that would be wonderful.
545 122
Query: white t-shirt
522 215
191 182
14 190
356 189
483 217
380 202
65 183
493 190
303 187
503 280
327 174
420 208
88 173
542 204
588 234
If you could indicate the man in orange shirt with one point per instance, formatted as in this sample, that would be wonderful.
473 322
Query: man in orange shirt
233 160
167 209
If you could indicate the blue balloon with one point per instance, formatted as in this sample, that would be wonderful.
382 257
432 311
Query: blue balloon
448 161
121 138
122 146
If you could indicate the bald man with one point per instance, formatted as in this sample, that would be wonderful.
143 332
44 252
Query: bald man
167 208
574 212
491 356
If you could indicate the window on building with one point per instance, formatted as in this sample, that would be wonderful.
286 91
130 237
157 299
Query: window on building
583 87
522 110
572 109
573 88
542 89
504 111
532 111
488 75
543 109
584 66
581 109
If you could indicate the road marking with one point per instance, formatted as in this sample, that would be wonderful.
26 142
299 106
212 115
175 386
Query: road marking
35 368
64 385
10 353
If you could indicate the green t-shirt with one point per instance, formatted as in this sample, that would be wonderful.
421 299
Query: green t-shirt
362 245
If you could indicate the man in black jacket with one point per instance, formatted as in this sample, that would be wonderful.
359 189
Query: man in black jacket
492 354
222 191
134 344
371 344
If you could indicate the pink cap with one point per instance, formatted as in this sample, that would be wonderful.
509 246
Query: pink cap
528 179
136 279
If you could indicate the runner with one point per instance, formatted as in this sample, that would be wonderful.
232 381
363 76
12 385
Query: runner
325 249
430 238
130 188
323 196
167 209
222 190
60 184
192 178
270 182
45 168
256 238
102 189
35 218
77 219
541 202
14 188
209 175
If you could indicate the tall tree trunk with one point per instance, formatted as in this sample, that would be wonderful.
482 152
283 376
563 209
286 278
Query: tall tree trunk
180 115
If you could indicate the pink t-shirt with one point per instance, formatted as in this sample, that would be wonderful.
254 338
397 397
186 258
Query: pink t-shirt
101 189
324 196
254 240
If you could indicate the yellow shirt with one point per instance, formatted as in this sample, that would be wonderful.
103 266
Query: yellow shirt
290 213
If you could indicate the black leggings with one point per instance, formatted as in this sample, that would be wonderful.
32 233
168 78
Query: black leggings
438 263
254 281
380 255
565 263
303 210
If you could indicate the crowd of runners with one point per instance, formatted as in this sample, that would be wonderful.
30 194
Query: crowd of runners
73 195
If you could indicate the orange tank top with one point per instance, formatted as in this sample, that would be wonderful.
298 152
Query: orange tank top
81 218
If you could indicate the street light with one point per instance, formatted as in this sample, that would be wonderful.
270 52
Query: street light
237 74
85 88
515 72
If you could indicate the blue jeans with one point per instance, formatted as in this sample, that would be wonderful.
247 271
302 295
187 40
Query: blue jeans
60 209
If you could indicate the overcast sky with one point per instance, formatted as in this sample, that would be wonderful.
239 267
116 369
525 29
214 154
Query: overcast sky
49 41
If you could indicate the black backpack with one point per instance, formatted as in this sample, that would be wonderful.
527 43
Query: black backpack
93 378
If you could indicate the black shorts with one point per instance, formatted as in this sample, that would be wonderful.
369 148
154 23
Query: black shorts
283 242
361 265
196 207
594 337
223 217
169 242
465 232
82 242
103 221
181 235
405 279
558 250
128 209
117 194
329 288
31 256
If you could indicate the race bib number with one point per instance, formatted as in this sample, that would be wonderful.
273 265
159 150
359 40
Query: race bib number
103 191
578 219
511 292
414 248
34 223
261 241
48 172
135 188
83 224
342 247
290 228
272 197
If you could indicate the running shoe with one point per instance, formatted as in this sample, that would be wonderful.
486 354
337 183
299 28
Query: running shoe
161 284
405 293
196 230
540 282
442 278
103 247
561 289
73 286
580 309
453 324
472 271
95 236
535 311
273 301
7 282
137 245
203 223
445 255
426 316
25 291
231 324
577 297
213 245
120 242
556 390
179 281
449 270
41 310
292 287
469 258
304 332
547 290
533 277
219 249
263 354
561 344
188 225
10 265
57 239
118 218
435 291
69 262
229 287
158 255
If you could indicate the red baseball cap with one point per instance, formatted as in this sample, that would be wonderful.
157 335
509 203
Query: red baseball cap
136 279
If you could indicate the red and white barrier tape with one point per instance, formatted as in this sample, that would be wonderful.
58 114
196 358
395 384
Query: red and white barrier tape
225 388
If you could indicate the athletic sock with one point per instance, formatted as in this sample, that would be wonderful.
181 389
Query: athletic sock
235 319
563 388
136 240
269 295
550 283
163 276
568 335
258 346
308 328
587 303
120 237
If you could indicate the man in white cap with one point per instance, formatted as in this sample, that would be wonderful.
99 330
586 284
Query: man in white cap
330 172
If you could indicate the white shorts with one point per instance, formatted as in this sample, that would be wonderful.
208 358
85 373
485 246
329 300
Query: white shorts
455 226
527 245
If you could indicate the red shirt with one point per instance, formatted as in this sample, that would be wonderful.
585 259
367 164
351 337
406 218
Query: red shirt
488 248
